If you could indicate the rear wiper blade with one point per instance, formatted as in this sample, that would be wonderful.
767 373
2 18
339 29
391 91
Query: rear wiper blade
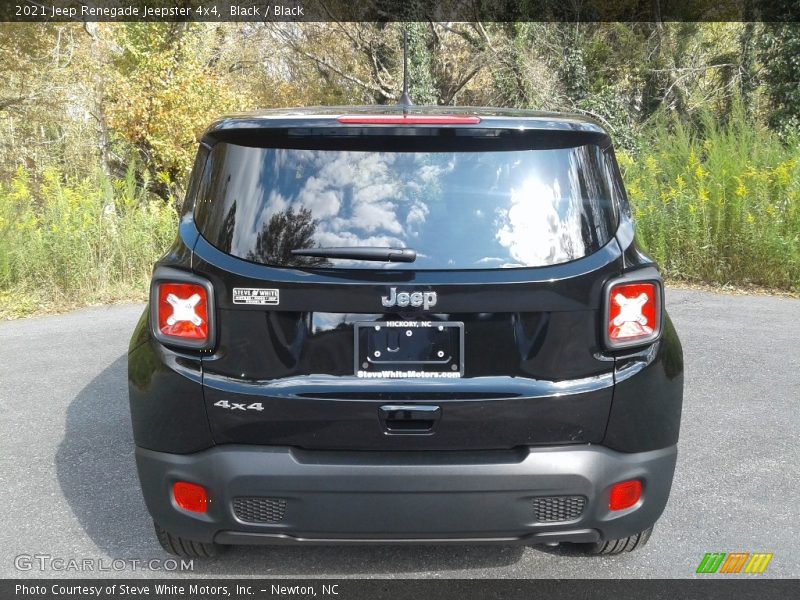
361 253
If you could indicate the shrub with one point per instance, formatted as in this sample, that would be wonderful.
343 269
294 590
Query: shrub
719 203
67 241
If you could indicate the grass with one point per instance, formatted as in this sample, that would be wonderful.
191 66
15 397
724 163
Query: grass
719 204
67 243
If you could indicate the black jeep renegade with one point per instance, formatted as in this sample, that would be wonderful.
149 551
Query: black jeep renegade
405 325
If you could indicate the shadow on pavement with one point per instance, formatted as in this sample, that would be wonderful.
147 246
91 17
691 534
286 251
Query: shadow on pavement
97 471
97 474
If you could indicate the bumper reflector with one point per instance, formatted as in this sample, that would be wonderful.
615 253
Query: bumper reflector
624 494
190 496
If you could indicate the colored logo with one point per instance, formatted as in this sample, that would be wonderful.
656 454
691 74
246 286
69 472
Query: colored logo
734 562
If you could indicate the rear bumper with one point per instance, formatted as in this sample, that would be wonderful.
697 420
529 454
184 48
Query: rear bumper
360 497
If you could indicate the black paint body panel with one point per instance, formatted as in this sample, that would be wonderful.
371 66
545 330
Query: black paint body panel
545 381
166 398
536 332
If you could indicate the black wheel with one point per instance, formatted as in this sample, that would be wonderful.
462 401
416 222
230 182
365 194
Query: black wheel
186 548
627 544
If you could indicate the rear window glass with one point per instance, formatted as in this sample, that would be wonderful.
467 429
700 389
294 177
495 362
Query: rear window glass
457 210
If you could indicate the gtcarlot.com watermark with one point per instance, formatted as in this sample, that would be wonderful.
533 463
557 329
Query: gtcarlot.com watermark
48 562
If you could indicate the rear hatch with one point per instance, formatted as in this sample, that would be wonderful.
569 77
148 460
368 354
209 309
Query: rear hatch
490 339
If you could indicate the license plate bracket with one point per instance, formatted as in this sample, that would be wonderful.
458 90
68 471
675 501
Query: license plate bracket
409 349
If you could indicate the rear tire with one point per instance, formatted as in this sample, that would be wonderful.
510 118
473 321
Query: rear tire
186 548
626 544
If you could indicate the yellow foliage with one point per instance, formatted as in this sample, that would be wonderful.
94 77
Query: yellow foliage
69 239
161 93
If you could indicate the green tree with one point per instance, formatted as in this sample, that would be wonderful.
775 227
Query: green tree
780 56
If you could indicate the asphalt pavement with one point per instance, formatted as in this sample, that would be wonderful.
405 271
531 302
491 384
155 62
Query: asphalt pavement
68 486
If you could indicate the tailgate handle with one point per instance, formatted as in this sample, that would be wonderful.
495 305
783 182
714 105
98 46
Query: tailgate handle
409 418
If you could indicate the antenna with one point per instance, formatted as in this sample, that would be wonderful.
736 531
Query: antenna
405 100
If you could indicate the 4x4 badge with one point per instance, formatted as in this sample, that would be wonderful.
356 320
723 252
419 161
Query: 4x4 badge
403 299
